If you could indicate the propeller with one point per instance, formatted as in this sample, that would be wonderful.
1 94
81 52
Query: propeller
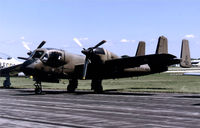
27 47
78 42
88 52
41 44
22 58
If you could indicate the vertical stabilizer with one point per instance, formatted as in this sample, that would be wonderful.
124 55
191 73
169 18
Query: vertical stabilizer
185 55
140 49
162 46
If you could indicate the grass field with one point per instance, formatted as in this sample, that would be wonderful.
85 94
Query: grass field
164 82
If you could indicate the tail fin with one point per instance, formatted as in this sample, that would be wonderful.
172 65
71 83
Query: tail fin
140 49
185 55
162 46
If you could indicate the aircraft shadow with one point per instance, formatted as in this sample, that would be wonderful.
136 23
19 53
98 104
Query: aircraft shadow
152 88
196 104
9 88
82 92
192 97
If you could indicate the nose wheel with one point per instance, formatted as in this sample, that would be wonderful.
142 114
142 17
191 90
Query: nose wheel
38 87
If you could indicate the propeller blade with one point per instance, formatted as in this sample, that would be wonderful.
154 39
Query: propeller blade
78 42
99 44
85 68
26 45
22 58
41 44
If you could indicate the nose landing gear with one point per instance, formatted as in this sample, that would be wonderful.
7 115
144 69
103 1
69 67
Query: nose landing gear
38 87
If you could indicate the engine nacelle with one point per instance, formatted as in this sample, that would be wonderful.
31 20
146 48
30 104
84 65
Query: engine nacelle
101 55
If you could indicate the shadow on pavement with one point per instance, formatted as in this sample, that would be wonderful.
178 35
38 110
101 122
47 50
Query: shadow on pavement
188 96
26 92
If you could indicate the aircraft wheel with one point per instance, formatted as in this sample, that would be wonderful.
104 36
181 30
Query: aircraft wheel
97 85
98 89
70 88
38 90
38 87
73 83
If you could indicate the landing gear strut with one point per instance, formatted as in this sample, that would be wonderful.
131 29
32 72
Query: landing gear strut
6 83
73 84
38 87
96 85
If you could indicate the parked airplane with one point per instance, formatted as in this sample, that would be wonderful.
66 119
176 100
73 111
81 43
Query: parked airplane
5 62
50 65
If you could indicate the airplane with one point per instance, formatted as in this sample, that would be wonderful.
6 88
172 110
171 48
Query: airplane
7 61
51 65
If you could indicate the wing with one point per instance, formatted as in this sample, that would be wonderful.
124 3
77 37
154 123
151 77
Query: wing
115 68
161 60
12 70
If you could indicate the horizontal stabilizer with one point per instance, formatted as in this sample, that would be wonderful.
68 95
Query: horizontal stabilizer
162 46
185 55
140 49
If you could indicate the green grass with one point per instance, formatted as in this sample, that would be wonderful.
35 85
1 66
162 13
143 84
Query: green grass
164 82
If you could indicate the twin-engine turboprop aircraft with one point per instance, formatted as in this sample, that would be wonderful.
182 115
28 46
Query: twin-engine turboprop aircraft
50 65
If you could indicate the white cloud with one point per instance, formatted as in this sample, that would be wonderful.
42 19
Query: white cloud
126 41
190 36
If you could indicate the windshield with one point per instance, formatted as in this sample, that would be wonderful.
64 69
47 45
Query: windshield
38 54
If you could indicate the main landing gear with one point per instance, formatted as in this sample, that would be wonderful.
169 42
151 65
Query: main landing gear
38 87
73 84
6 83
96 85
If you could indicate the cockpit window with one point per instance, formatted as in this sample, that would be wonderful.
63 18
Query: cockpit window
38 54
45 58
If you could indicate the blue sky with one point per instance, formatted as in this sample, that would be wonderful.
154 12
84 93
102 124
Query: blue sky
123 23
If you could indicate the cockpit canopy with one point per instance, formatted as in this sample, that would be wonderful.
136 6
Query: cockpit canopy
50 57
38 54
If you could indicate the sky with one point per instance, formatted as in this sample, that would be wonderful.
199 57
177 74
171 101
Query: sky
123 23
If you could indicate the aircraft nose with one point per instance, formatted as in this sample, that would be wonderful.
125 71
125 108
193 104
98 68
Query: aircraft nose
28 66
27 63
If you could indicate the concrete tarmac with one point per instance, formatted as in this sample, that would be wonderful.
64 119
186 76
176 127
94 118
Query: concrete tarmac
21 108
